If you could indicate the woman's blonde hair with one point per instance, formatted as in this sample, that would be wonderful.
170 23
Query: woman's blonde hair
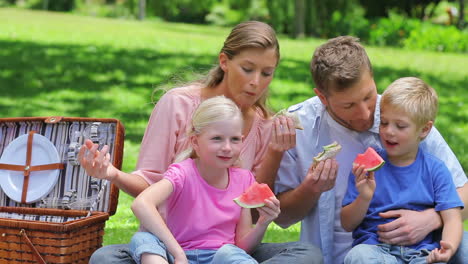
212 110
246 35
414 97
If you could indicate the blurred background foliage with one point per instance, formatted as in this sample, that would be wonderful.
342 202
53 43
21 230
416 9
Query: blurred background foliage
416 24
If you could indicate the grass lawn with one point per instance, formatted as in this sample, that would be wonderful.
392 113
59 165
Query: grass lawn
69 65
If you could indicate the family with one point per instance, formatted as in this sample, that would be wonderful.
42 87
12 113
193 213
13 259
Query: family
208 140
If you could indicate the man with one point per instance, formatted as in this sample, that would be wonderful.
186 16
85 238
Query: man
346 109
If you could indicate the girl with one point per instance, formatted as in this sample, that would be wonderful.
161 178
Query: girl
204 225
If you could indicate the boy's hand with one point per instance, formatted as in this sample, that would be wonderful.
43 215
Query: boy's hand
365 181
269 212
443 254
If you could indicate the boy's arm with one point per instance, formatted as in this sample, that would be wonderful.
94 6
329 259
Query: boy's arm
451 236
353 213
145 209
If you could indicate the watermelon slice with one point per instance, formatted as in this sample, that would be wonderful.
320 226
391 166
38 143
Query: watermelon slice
254 196
370 159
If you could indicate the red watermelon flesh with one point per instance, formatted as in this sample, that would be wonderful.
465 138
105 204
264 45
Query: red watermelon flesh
370 159
254 196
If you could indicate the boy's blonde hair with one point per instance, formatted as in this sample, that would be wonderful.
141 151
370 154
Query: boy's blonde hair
212 110
338 64
413 96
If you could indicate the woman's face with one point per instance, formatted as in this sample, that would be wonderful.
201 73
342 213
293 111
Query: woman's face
248 74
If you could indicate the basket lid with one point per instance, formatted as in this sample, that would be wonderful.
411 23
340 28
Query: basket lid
57 141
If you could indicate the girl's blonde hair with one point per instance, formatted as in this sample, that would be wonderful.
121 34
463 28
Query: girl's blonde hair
414 97
212 110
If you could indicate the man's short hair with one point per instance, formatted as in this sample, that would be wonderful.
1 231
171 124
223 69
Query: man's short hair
338 64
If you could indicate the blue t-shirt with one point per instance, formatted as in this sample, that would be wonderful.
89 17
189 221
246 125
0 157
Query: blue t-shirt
426 183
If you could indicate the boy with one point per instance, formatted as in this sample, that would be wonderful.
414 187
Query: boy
410 179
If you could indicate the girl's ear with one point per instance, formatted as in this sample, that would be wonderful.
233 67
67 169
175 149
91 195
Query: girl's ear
194 142
426 129
223 59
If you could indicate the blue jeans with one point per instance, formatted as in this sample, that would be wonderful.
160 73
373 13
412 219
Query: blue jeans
384 253
461 256
265 253
145 242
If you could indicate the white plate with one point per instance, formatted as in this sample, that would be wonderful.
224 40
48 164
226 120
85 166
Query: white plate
40 182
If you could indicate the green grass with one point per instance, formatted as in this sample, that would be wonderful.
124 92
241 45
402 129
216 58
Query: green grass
69 65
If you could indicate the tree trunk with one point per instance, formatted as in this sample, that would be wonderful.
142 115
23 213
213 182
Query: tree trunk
141 9
461 17
299 18
45 4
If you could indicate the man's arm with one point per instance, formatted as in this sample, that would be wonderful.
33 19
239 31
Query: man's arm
296 203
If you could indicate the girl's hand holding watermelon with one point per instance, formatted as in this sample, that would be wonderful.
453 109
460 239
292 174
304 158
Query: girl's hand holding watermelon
365 181
269 211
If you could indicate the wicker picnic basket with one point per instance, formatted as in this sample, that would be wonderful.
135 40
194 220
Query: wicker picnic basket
65 225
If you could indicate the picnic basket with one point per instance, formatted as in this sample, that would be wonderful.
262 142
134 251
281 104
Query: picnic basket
66 225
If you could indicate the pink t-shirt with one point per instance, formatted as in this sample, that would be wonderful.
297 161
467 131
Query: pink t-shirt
165 136
199 215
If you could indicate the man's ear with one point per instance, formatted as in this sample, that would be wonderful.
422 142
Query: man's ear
223 59
321 96
426 129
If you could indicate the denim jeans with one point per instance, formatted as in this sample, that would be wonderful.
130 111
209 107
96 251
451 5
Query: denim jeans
265 253
145 242
384 253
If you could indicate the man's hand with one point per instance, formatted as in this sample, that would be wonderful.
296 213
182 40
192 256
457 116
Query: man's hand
321 178
409 227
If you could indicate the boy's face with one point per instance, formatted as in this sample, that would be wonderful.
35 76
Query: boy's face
354 107
400 135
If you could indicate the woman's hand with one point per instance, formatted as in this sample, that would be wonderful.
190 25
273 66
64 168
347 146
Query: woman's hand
284 134
96 162
269 212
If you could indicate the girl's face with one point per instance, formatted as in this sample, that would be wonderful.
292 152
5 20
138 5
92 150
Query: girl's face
248 74
400 135
219 144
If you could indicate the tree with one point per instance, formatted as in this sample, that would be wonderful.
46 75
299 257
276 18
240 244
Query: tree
299 18
141 9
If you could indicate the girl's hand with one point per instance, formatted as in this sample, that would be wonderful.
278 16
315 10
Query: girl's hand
96 162
269 212
365 181
441 255
284 134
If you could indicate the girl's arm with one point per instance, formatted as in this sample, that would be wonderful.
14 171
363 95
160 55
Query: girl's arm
248 236
144 207
451 236
353 213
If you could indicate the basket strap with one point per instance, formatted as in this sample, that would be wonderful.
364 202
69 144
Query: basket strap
33 248
27 168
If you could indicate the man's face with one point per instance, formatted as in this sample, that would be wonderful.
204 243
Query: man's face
354 107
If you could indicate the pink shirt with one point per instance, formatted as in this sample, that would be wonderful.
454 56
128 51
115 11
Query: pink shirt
165 136
199 215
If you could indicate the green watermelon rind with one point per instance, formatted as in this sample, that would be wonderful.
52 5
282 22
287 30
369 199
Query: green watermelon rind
250 206
376 167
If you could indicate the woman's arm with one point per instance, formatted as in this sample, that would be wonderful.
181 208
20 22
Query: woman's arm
248 237
144 207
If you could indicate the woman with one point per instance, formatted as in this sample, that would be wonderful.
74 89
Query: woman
246 67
